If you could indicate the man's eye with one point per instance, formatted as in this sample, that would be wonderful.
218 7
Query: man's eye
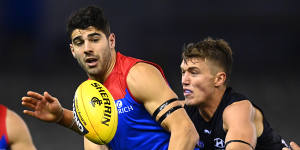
194 72
78 43
95 40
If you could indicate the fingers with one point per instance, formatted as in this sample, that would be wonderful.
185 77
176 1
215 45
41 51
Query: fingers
29 100
29 105
48 97
294 146
35 95
28 112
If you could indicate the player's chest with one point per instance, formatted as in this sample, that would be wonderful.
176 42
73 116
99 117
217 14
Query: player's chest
212 139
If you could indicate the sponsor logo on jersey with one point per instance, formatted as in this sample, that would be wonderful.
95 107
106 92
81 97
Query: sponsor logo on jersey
207 131
219 143
122 108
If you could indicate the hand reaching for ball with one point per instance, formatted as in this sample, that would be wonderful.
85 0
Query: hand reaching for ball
44 107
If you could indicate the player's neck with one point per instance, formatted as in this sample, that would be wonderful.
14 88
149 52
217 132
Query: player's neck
208 109
111 65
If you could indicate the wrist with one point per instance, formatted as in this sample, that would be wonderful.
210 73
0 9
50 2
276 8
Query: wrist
72 124
61 115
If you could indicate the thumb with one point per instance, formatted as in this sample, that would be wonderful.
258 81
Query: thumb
48 97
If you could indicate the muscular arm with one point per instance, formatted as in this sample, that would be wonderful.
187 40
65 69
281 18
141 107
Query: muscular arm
239 123
148 86
18 133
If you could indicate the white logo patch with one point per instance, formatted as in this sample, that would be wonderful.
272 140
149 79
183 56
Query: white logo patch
207 131
119 104
219 143
122 109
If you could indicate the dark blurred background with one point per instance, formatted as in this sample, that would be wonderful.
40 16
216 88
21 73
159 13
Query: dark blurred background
264 35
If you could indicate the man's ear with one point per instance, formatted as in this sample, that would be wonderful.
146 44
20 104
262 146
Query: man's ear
220 78
112 40
72 50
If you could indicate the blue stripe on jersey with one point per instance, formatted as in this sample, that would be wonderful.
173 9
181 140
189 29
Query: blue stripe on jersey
136 128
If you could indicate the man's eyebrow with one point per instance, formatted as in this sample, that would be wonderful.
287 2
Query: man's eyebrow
93 34
192 68
89 36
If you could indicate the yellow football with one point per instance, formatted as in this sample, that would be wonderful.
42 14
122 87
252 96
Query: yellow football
95 112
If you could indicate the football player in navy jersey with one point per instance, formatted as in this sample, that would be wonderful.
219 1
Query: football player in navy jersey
224 118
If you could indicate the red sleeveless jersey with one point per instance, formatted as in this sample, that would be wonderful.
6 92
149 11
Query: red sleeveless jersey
116 81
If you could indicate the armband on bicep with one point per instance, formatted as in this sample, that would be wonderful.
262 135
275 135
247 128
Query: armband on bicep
167 113
240 141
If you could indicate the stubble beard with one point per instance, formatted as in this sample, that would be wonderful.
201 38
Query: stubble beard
90 71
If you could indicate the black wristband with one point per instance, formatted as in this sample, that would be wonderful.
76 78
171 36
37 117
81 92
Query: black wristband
162 106
168 113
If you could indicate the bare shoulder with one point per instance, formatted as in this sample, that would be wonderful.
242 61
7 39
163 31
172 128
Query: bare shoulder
15 124
13 119
145 82
238 112
142 68
238 106
16 127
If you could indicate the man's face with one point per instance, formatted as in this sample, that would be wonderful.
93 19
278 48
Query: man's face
197 81
92 50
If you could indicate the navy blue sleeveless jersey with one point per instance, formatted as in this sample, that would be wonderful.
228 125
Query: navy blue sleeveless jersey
212 134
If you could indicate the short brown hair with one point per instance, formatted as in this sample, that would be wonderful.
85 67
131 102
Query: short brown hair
217 51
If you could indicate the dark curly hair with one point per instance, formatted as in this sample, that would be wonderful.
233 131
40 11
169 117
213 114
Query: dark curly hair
217 51
89 16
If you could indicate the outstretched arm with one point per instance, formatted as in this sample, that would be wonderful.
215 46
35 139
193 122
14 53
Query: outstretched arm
16 127
47 108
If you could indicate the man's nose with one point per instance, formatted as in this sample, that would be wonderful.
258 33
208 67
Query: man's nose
87 47
185 80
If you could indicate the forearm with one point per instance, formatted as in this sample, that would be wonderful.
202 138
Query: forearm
186 139
68 120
